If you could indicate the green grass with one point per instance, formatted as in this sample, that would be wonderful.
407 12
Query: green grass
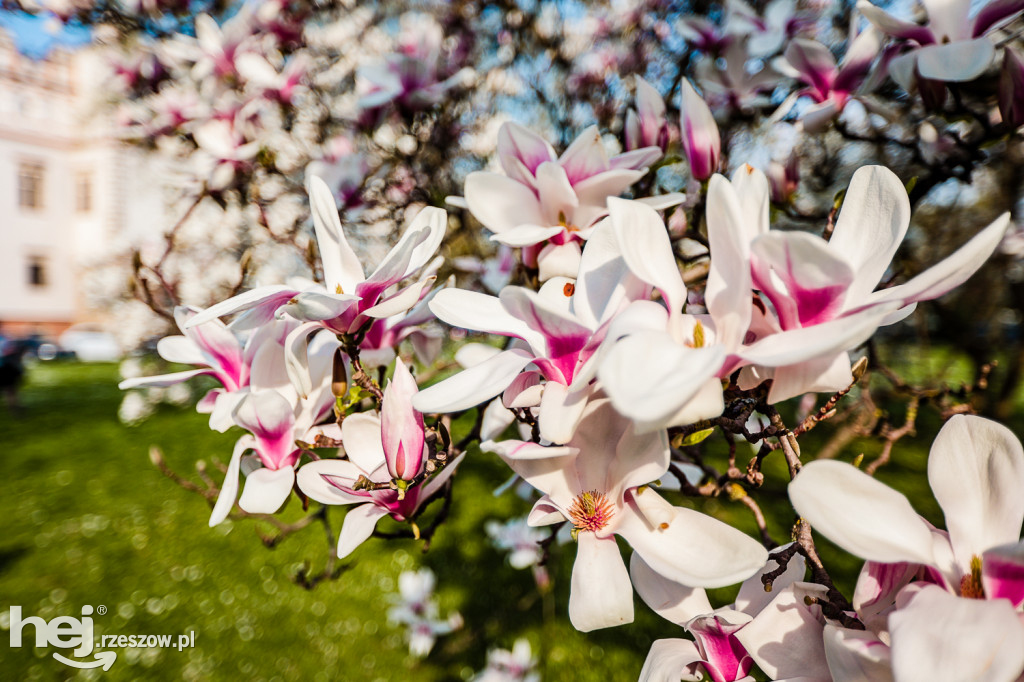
89 520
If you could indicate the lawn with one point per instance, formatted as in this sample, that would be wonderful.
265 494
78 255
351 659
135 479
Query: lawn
91 521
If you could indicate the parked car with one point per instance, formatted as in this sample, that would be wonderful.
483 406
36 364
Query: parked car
90 343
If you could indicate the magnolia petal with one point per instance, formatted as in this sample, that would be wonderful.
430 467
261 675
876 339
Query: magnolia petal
222 415
876 590
961 61
560 411
820 375
296 358
897 28
694 549
183 350
585 156
728 293
558 260
601 595
870 227
561 331
501 203
1002 573
269 298
314 480
474 385
517 142
671 660
474 353
701 141
860 514
784 639
400 302
314 306
544 512
361 437
435 221
604 280
519 449
401 426
266 490
527 235
726 657
635 159
670 600
496 419
162 379
595 191
856 655
229 489
814 62
939 636
828 338
341 265
358 526
480 312
976 470
663 201
995 14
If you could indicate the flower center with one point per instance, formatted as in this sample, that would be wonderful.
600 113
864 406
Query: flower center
590 512
970 585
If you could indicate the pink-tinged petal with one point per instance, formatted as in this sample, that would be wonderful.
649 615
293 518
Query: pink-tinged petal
559 260
856 655
229 489
416 246
805 280
701 140
524 391
585 157
939 636
631 131
693 548
647 250
517 142
725 657
650 377
401 301
994 14
784 639
652 112
957 62
544 512
871 226
268 366
897 28
877 587
601 595
976 470
1002 573
824 374
672 601
558 201
162 379
634 159
266 299
266 490
358 526
860 514
181 349
669 660
728 293
480 312
341 265
951 272
563 335
501 203
323 481
521 449
527 235
815 64
561 411
815 118
1011 89
401 425
753 597
474 385
361 437
856 63
270 418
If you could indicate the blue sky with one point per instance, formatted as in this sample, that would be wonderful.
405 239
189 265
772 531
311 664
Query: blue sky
35 36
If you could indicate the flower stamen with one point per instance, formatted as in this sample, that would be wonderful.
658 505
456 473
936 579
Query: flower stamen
590 512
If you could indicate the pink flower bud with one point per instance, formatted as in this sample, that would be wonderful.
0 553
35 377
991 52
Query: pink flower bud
701 141
401 427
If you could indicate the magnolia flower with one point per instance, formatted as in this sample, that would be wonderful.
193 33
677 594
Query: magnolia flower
416 609
521 540
518 665
648 125
961 619
703 35
550 203
276 419
737 85
350 301
220 354
701 142
388 447
765 34
950 46
596 482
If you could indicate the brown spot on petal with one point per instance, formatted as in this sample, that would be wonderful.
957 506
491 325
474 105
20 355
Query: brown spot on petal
569 289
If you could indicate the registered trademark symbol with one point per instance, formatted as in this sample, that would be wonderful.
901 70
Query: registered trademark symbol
101 609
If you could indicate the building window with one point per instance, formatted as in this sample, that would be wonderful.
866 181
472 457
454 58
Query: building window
37 271
83 193
30 185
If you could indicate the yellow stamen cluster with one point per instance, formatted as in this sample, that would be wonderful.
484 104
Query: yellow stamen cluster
970 585
590 511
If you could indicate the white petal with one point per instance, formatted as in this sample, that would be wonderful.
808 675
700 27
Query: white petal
182 350
559 260
959 62
527 235
480 312
784 639
266 490
162 379
856 655
669 659
601 594
270 297
313 484
753 597
473 386
669 599
728 294
358 526
341 265
561 411
229 489
360 434
501 203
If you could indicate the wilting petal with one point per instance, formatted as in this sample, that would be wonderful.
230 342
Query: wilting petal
229 489
1002 573
670 600
871 226
474 385
671 660
976 470
358 526
266 490
501 203
939 636
694 549
601 595
856 655
341 265
961 61
784 639
860 514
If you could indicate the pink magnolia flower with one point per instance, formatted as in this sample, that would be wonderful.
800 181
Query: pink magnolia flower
701 141
276 419
766 33
961 620
596 482
738 85
550 204
951 46
382 448
220 353
647 126
416 609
